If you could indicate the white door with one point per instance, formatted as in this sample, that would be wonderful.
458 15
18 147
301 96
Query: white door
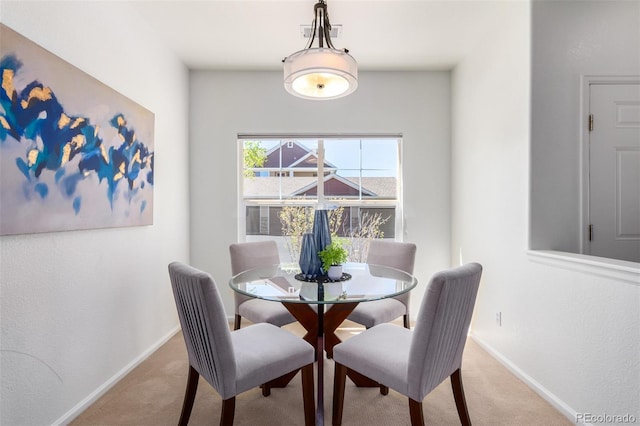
614 171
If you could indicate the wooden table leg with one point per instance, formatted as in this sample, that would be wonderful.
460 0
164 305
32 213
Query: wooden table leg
333 317
332 320
314 323
308 318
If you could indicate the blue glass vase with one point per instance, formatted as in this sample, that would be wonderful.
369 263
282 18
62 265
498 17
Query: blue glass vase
321 231
309 261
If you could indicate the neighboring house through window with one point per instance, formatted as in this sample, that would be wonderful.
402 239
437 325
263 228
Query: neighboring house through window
360 176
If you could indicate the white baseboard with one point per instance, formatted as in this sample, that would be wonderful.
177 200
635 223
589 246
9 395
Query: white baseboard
102 389
548 396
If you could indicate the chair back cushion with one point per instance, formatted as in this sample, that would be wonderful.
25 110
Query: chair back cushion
251 255
441 328
204 326
393 254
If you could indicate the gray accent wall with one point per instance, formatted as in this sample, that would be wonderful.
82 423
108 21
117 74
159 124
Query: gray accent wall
227 103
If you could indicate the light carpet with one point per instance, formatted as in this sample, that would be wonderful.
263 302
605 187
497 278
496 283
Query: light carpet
152 395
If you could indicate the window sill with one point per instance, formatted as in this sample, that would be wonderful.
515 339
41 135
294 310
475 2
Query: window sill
619 270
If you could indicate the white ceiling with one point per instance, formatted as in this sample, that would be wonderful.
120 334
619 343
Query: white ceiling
380 35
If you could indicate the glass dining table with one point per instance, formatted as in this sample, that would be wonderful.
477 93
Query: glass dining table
320 305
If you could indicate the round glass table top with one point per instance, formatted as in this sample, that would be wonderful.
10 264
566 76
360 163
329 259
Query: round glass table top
361 282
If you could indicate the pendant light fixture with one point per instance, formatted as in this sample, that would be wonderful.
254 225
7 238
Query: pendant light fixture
323 72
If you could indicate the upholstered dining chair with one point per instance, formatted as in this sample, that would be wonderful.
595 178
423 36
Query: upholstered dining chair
393 254
232 362
414 362
255 255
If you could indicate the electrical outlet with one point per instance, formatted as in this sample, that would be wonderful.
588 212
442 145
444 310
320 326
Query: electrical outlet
499 319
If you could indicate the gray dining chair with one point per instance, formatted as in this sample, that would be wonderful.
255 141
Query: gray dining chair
254 255
414 362
397 255
233 362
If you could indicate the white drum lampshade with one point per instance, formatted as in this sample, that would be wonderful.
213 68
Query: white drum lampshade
320 73
323 72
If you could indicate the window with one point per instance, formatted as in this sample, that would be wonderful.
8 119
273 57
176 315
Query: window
358 178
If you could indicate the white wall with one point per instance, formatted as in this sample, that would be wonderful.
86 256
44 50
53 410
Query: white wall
79 308
570 39
570 325
223 104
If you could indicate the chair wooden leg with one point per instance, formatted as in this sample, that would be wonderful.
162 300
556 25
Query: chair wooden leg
189 396
308 396
228 411
458 395
384 390
406 321
236 323
282 381
415 411
266 389
360 380
339 380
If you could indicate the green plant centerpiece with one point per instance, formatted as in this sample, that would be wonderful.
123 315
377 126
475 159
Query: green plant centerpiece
332 257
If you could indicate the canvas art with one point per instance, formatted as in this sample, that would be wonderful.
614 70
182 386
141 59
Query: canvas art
74 153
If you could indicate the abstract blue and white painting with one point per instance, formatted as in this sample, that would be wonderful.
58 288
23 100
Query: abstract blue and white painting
74 153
